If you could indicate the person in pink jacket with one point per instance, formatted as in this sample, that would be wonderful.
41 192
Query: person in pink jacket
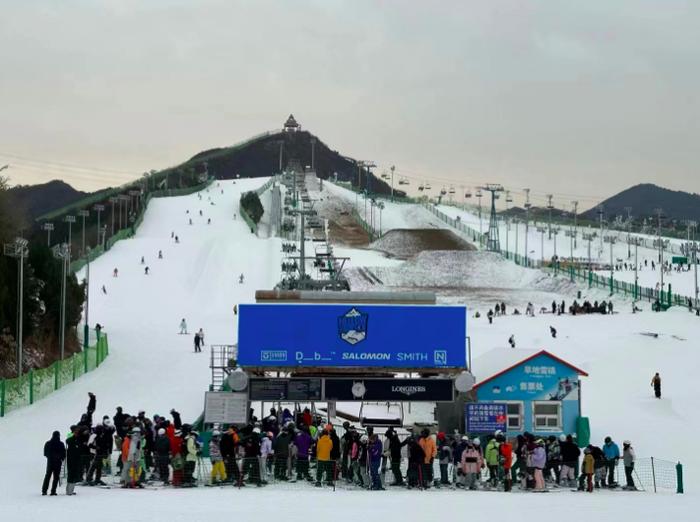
471 464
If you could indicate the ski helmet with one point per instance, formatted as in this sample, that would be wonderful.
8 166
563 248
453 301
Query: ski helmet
477 441
216 433
161 431
465 438
364 439
562 437
626 443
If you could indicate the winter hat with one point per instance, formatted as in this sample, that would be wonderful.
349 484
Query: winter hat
587 451
441 435
465 438
476 441
626 443
364 439
562 437
216 433
256 430
178 433
161 431
269 434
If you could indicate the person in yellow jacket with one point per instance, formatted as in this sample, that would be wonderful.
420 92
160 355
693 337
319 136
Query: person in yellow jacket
587 471
427 443
324 445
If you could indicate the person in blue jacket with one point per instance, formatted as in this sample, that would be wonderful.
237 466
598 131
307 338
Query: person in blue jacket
612 455
375 450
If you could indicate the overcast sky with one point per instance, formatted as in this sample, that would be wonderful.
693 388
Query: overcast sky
581 99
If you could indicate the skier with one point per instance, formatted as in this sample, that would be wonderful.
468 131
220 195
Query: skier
73 468
490 316
503 308
569 459
190 221
303 442
143 260
104 290
374 452
200 213
554 307
145 271
160 254
197 343
553 331
656 384
208 221
115 273
612 456
324 445
588 470
553 459
471 463
201 336
498 309
235 309
172 235
511 341
506 458
55 453
183 326
492 458
427 443
218 470
629 457
240 279
445 453
395 446
177 239
162 447
539 460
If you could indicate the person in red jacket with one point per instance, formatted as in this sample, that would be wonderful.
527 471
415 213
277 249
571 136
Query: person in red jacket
505 451
177 461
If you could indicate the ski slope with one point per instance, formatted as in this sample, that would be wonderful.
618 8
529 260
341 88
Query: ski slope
152 367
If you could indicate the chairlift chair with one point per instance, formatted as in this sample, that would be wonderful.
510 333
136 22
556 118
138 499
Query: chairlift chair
392 419
443 191
452 189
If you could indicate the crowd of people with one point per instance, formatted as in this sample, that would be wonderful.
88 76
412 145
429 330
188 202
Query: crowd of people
299 446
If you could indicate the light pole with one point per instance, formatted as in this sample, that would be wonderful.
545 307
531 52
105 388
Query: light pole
575 204
694 249
481 228
659 213
589 237
86 332
636 241
49 228
629 230
113 200
600 216
18 249
542 230
62 252
70 220
98 208
571 234
555 232
83 214
549 208
381 207
393 168
517 226
611 239
527 222
661 244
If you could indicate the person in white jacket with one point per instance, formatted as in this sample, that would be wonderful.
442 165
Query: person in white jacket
266 453
629 457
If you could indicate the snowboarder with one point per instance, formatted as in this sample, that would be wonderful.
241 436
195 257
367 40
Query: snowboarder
183 326
553 331
160 254
629 457
145 271
656 384
218 470
208 221
490 316
177 239
115 273
197 343
240 279
143 260
511 341
55 453
104 290
611 451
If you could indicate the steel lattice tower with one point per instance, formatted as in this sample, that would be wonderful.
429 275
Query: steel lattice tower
493 243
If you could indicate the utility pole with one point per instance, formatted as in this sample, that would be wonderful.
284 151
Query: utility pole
113 200
18 249
555 232
571 234
62 252
549 208
98 208
83 214
136 194
381 207
517 226
527 222
636 241
611 239
659 212
313 154
49 228
70 220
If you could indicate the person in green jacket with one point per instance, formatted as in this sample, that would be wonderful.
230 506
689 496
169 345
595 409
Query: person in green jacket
492 461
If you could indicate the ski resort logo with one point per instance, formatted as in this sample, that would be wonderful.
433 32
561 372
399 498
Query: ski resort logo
352 327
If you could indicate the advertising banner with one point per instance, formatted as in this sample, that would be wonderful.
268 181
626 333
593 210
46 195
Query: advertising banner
272 389
304 335
410 390
485 417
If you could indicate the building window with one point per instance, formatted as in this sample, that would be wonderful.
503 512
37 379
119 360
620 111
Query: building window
514 411
546 416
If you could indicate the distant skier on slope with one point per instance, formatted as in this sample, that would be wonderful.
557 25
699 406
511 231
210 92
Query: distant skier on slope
115 273
160 254
143 260
197 343
656 384
240 279
511 341
145 271
104 290
553 332
183 326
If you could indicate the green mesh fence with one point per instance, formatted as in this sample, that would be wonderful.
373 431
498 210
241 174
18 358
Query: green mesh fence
37 384
652 474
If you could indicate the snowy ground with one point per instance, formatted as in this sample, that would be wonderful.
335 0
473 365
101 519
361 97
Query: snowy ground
153 368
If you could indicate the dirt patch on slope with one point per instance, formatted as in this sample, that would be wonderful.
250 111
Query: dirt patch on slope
407 243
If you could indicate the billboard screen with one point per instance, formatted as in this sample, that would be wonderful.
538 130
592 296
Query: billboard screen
285 335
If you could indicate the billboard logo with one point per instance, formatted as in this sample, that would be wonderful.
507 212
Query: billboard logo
273 355
440 358
352 327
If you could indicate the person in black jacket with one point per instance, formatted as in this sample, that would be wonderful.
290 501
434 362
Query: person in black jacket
395 446
281 447
416 458
570 454
55 453
251 454
335 452
103 449
74 472
86 418
346 440
162 450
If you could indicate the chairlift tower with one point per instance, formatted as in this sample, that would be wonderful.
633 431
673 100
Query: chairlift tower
493 243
